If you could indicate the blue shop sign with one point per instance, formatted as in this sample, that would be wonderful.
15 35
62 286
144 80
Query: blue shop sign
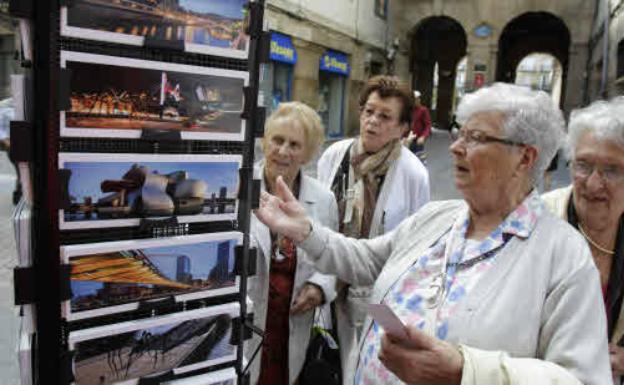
282 49
336 62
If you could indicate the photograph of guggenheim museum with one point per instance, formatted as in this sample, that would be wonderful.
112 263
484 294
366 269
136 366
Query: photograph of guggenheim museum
214 23
108 279
118 188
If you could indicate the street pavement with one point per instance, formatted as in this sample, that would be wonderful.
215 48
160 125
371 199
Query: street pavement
9 325
439 164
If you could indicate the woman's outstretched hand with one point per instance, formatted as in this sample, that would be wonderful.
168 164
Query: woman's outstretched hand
283 213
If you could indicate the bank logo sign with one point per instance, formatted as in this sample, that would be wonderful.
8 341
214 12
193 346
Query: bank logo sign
336 62
282 49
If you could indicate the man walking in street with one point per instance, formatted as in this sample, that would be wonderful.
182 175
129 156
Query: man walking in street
421 128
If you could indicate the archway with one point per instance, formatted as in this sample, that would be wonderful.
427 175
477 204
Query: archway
541 71
437 40
529 33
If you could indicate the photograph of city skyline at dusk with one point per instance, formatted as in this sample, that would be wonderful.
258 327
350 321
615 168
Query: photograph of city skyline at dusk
121 97
178 342
113 277
214 27
112 190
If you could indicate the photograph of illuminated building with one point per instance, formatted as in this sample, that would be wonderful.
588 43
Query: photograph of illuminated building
121 97
214 27
113 277
179 342
113 190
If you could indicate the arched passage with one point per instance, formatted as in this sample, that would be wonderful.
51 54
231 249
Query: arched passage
541 71
529 33
437 40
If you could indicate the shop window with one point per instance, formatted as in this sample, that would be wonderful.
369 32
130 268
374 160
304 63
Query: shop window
331 103
381 8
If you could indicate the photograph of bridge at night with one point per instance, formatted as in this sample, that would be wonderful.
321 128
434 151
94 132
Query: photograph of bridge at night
111 96
214 27
180 342
107 190
113 277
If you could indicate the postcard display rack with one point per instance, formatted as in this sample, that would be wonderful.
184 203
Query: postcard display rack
137 156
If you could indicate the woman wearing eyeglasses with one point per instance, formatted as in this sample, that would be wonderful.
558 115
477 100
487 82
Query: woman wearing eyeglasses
594 204
492 289
377 183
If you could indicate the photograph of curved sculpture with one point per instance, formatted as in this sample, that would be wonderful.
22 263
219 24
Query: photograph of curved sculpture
179 342
120 97
113 190
214 27
113 277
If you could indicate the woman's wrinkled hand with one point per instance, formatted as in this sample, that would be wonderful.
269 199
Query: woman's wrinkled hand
283 213
309 297
616 356
422 360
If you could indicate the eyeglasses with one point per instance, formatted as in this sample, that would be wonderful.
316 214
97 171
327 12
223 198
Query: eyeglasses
382 117
611 174
474 137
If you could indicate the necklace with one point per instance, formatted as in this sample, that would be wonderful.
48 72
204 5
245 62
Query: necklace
596 245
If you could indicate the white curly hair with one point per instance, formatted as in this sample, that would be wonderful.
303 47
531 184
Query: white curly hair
531 118
604 119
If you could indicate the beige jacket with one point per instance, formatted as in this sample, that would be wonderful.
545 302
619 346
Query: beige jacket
536 317
557 202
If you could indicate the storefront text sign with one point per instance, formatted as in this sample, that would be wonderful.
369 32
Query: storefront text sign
282 49
336 62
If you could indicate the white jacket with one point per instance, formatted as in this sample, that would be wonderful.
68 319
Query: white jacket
536 317
405 189
320 205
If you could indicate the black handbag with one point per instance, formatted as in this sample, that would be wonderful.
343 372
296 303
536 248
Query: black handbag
322 362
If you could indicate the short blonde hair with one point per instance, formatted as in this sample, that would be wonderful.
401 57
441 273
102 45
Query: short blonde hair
313 129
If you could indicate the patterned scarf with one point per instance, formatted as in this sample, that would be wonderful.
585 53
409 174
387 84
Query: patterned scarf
369 171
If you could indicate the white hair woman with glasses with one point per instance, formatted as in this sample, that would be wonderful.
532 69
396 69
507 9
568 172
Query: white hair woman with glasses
492 289
287 287
594 204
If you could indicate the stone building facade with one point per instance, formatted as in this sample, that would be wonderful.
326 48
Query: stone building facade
354 31
419 37
605 68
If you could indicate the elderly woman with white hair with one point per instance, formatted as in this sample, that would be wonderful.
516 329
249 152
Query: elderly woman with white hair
594 204
492 289
287 287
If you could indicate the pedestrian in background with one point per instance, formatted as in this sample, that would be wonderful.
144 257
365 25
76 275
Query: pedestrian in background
420 129
377 183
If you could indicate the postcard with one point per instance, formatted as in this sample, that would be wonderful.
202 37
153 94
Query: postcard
178 342
218 377
214 27
112 277
121 97
117 190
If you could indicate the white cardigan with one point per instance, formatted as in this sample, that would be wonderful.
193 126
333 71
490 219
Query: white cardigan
536 317
320 205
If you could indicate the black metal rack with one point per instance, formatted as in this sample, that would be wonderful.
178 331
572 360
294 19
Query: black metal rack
42 144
